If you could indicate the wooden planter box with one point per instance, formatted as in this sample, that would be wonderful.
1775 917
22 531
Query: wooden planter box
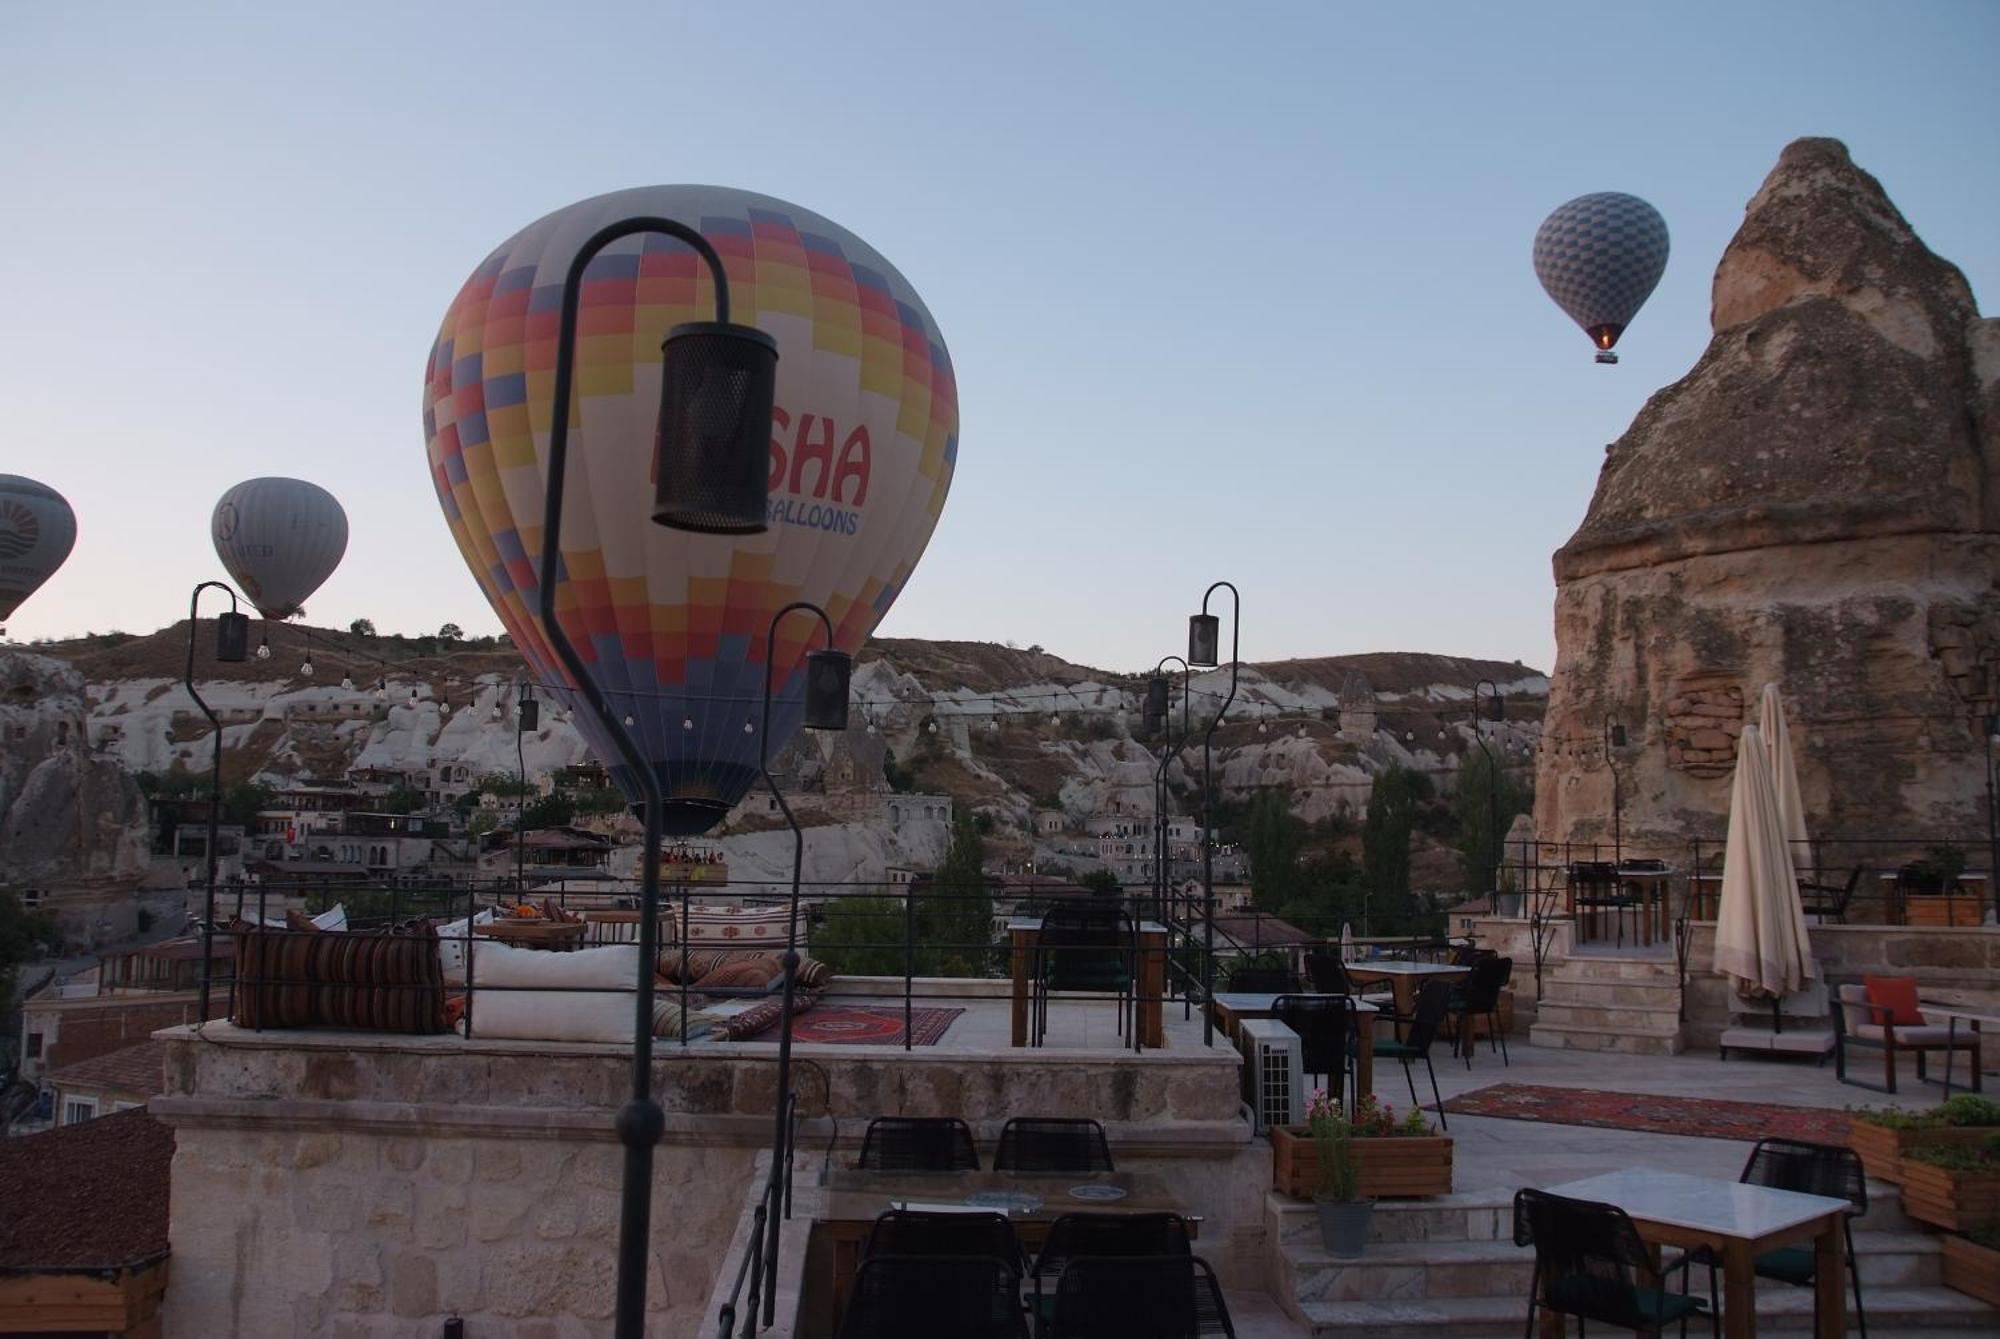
1401 1167
1881 1148
1972 1269
1955 1200
1937 909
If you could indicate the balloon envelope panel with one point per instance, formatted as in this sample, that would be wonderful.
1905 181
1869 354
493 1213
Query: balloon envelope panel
672 625
280 539
1599 257
37 531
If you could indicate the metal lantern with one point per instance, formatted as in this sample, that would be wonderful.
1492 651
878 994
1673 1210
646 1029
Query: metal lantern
827 676
1496 707
1617 736
232 637
712 467
1204 640
529 714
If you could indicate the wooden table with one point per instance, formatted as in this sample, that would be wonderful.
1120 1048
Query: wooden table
1739 1223
562 936
1704 896
1026 933
1655 919
1232 1007
1405 978
855 1198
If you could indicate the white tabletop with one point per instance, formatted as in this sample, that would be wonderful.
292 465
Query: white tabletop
1727 1208
1399 967
1256 1002
1035 923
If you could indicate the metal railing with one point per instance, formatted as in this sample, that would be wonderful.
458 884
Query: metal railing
758 1266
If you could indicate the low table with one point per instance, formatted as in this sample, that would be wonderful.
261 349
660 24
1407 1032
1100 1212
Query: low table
1405 978
1739 1223
1030 1201
1232 1007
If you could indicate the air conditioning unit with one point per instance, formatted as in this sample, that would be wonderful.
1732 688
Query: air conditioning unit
1274 1077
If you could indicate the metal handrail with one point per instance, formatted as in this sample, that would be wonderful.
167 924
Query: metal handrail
774 1200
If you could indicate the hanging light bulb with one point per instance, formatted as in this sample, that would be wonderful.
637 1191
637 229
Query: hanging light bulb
413 697
497 713
306 667
628 718
381 690
871 725
991 725
444 707
264 650
749 728
932 727
687 722
347 683
1302 732
1263 727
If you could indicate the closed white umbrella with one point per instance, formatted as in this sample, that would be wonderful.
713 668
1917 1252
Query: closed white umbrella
1346 942
1784 775
1760 928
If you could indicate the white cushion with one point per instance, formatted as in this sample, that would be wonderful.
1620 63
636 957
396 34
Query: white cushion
334 919
554 1015
451 946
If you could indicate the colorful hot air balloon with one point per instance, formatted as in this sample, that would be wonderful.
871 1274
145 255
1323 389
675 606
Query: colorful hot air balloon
37 531
672 625
280 539
1599 257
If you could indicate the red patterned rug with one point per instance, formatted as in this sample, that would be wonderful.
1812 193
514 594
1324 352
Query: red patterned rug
865 1027
1701 1117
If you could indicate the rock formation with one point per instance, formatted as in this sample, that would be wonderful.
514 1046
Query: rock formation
1815 504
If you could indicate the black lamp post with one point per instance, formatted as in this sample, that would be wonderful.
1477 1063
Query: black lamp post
1496 710
1614 738
1204 646
232 646
1992 815
527 716
1158 690
828 673
711 472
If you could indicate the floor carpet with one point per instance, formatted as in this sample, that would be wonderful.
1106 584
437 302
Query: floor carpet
865 1027
1700 1117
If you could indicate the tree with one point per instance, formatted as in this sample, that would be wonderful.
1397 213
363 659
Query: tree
1103 883
1385 845
860 936
362 627
22 934
1486 803
451 632
243 801
955 908
1273 843
403 800
553 810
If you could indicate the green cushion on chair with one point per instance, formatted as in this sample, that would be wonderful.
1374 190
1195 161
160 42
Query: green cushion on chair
1788 1264
1395 1050
1620 1304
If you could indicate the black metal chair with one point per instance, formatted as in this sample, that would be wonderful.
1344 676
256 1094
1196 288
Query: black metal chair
1424 1021
1591 1263
918 1144
1327 1029
1328 976
1595 888
1086 947
1052 1144
1811 1169
1150 1297
1479 997
914 1232
1077 1236
923 1296
1829 901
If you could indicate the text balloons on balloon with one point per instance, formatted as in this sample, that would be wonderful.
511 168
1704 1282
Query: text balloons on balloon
37 531
1599 257
280 539
864 437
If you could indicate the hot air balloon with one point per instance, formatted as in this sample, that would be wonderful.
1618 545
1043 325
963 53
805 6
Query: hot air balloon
280 539
672 625
37 531
1599 257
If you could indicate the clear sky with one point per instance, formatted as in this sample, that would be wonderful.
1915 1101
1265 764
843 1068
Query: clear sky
1232 291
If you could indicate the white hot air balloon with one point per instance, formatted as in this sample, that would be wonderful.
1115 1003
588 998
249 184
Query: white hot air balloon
37 531
280 539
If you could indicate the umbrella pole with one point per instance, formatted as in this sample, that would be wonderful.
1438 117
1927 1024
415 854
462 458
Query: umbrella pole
1777 1018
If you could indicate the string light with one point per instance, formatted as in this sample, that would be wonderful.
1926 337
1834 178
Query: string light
628 719
306 667
264 651
687 722
749 728
346 683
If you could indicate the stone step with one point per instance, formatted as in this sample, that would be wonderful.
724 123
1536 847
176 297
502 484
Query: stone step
1629 994
1647 971
1893 1313
1647 1041
1437 1269
1607 1018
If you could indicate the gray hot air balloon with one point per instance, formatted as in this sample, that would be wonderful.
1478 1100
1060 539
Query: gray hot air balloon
37 531
1599 257
279 538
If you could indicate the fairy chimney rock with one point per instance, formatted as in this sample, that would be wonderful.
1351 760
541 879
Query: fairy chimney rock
1814 504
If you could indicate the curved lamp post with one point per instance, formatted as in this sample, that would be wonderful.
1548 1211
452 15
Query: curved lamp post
1204 646
232 647
1158 690
1496 710
711 473
1614 738
527 716
828 673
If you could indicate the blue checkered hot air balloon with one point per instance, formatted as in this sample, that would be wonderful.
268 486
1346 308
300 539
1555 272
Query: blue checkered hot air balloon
1599 257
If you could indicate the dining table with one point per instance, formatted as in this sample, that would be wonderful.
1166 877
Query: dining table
1031 1201
1737 1222
1025 933
1405 978
1232 1007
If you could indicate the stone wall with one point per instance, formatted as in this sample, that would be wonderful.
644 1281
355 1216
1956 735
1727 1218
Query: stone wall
362 1185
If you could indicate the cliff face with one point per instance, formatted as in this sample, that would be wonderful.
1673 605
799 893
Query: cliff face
68 817
1816 504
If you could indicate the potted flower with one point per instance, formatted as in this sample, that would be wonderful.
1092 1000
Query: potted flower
1881 1137
1394 1157
1343 1213
1972 1264
1955 1188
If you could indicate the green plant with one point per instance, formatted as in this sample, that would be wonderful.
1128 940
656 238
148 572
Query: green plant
1953 1158
1970 1109
1333 1142
1897 1118
1965 1110
1936 870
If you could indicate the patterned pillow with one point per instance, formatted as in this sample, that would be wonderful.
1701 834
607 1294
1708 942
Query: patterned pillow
760 1016
746 975
747 927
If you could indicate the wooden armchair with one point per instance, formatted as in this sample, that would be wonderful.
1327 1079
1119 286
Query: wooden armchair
1856 1022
